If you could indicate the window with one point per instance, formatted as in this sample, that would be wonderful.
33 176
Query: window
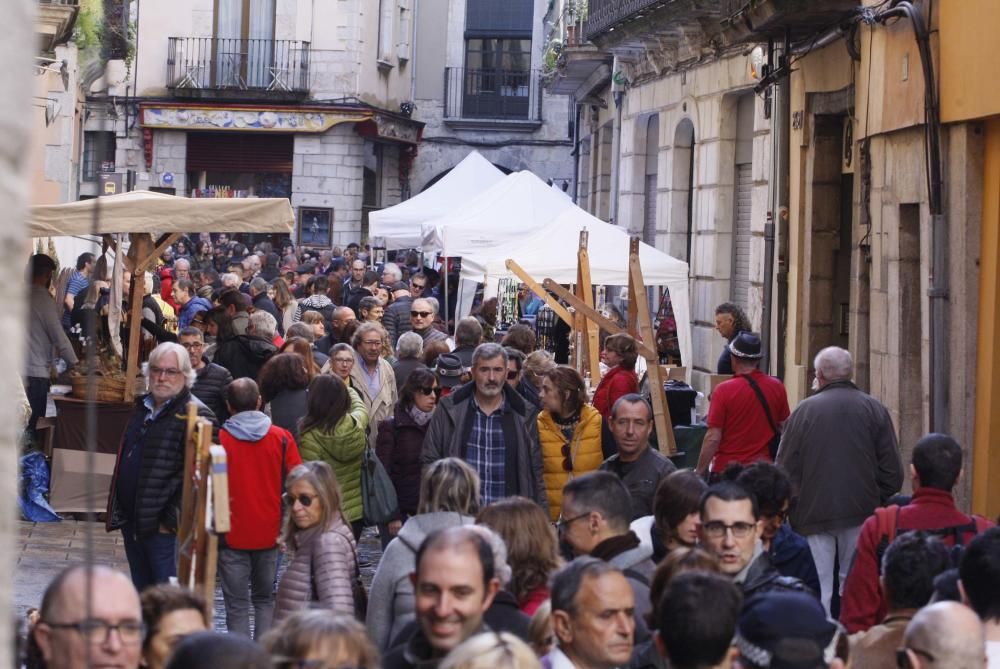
98 153
387 14
497 80
405 27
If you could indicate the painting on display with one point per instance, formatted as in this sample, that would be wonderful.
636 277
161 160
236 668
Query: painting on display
315 227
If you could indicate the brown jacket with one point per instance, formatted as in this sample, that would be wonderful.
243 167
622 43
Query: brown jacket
320 573
876 648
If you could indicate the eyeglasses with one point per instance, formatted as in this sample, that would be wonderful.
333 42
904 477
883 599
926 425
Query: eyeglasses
168 372
420 314
567 463
304 500
436 391
372 342
418 286
191 345
512 374
343 361
903 660
717 529
97 631
564 523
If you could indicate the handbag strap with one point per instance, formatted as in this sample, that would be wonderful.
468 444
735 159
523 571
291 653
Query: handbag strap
763 402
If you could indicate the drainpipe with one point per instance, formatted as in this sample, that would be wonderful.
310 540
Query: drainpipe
576 152
780 129
618 93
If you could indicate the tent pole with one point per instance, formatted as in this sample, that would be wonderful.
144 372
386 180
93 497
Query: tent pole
445 305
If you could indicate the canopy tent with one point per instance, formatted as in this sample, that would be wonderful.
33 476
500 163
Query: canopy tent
508 210
552 253
157 213
399 226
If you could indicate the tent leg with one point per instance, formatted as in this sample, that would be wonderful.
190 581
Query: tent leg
445 301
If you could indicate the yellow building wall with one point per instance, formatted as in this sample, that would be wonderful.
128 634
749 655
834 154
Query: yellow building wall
969 59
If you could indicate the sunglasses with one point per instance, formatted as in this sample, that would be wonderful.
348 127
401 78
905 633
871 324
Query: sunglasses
567 463
436 391
304 500
511 375
421 314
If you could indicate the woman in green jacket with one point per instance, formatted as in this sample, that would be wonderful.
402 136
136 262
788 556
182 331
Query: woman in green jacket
334 431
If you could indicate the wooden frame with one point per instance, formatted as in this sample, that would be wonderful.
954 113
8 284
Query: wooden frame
319 233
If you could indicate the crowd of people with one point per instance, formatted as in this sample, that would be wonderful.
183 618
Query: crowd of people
535 521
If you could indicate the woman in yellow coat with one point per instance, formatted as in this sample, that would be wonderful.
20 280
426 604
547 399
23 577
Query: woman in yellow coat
569 430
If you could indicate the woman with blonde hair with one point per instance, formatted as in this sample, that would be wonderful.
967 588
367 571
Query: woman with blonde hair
323 568
569 431
285 301
309 638
449 497
532 547
491 650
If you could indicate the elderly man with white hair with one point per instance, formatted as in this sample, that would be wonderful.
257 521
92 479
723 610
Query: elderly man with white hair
145 496
840 451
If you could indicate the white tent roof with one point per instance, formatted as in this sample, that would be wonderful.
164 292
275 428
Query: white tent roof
158 213
516 206
399 225
551 253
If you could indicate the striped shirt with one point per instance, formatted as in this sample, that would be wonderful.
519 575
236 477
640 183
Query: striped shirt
77 283
486 452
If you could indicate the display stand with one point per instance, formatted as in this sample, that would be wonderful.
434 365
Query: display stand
588 349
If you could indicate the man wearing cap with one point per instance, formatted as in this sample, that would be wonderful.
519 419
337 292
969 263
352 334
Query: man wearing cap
747 411
786 630
397 315
839 449
488 425
449 371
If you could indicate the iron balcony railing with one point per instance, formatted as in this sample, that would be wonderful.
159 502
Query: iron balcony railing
67 3
605 14
493 94
219 63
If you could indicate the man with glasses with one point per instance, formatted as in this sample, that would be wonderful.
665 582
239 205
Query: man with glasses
945 634
110 634
418 285
422 313
596 511
211 379
640 467
372 376
145 496
259 457
356 277
731 530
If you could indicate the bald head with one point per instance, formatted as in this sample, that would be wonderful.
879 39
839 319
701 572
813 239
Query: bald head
950 632
242 395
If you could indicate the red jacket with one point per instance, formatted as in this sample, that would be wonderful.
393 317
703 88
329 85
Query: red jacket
255 486
167 288
862 605
617 382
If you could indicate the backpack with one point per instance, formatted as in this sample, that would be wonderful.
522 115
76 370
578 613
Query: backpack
887 523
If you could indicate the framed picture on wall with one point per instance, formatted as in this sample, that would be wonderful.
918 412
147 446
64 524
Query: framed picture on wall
316 227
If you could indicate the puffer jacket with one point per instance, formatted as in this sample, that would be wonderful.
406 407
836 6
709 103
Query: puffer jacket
399 445
343 449
244 355
390 600
585 448
210 386
320 573
161 473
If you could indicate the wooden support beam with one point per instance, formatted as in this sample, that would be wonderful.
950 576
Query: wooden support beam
592 314
560 310
160 246
185 539
591 354
137 286
644 325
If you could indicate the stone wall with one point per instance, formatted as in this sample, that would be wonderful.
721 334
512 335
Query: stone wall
326 172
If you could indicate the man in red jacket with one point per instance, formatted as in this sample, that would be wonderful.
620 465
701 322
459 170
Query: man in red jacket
934 470
259 456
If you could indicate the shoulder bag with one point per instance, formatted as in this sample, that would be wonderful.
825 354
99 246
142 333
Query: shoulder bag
772 446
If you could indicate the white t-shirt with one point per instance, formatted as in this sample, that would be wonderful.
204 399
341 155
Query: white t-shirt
993 654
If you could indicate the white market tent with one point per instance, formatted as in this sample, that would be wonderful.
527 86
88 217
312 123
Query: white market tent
157 213
516 206
399 226
552 253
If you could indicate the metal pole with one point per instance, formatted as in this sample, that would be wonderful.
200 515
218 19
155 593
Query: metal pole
780 130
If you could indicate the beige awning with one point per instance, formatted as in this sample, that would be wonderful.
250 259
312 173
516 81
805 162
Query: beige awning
157 214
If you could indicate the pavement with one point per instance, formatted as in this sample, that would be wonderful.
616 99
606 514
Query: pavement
47 548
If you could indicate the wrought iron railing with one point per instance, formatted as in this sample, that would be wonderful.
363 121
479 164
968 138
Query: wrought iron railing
68 3
218 63
492 94
605 14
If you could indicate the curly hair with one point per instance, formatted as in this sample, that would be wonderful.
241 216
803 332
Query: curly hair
284 371
532 549
159 600
740 321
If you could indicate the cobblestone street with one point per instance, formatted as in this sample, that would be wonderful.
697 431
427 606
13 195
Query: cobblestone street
46 548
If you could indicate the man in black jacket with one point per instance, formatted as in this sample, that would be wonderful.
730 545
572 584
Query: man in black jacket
244 355
145 496
261 302
212 379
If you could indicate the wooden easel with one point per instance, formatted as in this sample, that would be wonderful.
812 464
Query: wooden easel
588 345
204 509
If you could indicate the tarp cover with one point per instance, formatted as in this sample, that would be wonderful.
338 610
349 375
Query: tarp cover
158 213
399 226
509 210
551 253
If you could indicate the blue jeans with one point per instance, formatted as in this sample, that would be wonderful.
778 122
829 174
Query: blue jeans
151 560
248 578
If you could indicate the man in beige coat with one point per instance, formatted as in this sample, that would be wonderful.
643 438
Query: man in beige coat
372 376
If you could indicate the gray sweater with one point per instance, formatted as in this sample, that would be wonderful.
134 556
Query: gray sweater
390 600
45 332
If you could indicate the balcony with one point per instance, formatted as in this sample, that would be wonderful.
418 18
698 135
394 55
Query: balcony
493 99
54 22
232 68
580 67
672 30
757 20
